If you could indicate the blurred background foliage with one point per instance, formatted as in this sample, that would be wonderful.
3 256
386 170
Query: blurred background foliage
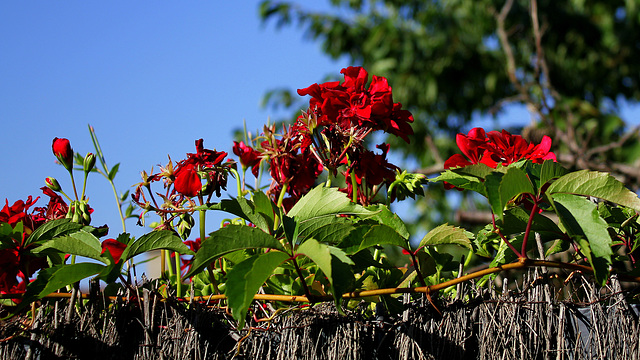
572 64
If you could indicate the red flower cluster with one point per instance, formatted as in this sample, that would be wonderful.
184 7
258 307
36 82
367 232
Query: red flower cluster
291 165
370 170
352 104
497 147
16 263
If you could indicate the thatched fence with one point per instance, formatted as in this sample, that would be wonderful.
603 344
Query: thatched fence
526 321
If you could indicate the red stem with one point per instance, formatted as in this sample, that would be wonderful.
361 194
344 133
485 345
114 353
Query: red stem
527 231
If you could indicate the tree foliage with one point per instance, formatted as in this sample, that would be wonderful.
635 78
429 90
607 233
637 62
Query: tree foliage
572 63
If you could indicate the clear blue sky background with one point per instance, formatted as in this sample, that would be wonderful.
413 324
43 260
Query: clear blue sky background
150 77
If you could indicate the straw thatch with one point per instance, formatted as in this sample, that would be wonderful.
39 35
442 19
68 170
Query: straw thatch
522 322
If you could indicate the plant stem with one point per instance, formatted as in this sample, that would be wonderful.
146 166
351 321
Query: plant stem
527 231
495 228
417 267
304 283
178 275
73 184
239 182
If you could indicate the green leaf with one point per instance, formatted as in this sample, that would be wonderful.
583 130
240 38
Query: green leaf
512 184
245 279
325 202
596 184
317 213
551 170
385 216
57 277
53 229
581 219
231 238
477 170
113 171
80 243
334 263
247 210
447 234
462 181
155 240
328 230
384 235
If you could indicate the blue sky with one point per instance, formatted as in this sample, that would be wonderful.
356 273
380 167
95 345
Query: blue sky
150 77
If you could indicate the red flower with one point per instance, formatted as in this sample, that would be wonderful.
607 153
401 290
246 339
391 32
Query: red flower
18 213
353 107
16 263
114 247
497 147
57 208
370 170
472 146
62 150
506 148
188 182
249 158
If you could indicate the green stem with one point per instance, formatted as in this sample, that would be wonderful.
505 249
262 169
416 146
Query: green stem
238 182
203 232
169 265
389 189
73 184
281 196
84 185
178 274
100 156
354 182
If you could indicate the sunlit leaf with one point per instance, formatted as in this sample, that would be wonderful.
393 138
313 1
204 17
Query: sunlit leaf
581 219
447 234
231 238
245 279
596 184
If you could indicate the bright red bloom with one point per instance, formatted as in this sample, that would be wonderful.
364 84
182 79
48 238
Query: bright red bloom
370 170
506 148
210 162
16 264
57 208
188 182
249 158
18 213
353 105
497 147
62 150
114 247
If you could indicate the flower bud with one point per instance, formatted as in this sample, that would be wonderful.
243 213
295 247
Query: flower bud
89 162
52 183
185 225
62 150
